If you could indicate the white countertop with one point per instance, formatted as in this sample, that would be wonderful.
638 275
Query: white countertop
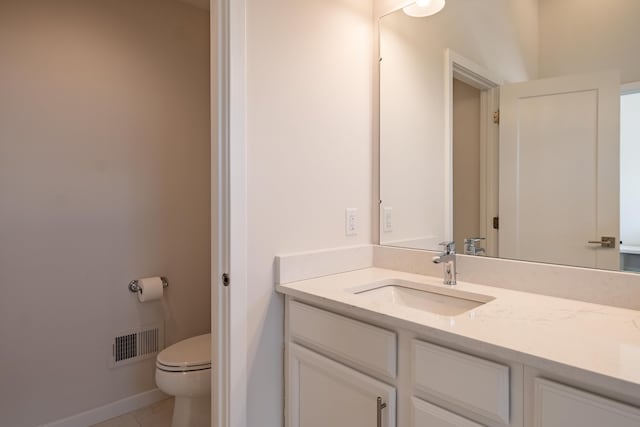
595 338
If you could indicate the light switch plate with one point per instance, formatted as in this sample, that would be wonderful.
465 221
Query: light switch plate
387 219
351 222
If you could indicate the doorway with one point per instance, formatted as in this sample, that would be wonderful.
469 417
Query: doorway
471 183
466 162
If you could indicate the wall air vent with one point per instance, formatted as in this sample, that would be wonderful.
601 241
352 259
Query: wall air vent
136 345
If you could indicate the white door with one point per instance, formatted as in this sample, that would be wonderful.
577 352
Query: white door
324 393
559 170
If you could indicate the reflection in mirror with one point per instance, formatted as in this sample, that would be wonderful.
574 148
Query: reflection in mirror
630 180
502 126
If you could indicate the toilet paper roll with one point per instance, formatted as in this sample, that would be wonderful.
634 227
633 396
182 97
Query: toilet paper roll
151 289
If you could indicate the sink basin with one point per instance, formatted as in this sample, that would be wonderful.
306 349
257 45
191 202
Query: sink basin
420 296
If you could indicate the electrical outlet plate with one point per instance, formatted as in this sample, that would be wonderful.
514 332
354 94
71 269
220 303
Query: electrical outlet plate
351 221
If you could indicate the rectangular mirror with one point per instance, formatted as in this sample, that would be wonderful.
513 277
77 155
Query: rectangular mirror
513 129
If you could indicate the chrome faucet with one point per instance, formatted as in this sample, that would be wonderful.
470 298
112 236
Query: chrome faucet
448 260
472 246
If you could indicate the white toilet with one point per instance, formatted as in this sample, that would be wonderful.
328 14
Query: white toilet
183 370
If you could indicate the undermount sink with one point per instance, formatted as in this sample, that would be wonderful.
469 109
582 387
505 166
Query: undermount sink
434 299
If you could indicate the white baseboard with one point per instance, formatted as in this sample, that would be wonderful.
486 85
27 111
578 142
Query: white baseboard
112 410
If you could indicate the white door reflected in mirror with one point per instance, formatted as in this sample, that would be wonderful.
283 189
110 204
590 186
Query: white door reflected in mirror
559 158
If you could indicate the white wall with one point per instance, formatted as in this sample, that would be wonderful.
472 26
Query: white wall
104 177
309 101
581 36
499 35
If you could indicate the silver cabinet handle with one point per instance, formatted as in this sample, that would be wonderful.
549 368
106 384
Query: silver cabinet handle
605 242
381 406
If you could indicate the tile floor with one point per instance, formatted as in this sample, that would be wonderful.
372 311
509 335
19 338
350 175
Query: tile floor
157 415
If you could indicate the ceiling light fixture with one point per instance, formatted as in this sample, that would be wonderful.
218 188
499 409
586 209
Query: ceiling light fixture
422 8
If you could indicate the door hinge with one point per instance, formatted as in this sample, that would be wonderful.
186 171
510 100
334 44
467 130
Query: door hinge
496 117
226 280
496 223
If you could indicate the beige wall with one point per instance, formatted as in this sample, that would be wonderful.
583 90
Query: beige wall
582 36
309 147
466 163
499 35
104 177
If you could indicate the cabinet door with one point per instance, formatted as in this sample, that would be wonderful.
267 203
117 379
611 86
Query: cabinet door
427 415
557 405
323 393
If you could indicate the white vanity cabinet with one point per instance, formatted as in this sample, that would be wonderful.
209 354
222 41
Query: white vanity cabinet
343 372
339 368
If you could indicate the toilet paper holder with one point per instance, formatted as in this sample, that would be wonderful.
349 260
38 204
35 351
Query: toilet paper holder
133 285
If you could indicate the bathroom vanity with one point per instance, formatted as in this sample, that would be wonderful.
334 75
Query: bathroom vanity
388 348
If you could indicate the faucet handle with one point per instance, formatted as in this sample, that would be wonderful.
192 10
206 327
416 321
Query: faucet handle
474 239
448 247
472 246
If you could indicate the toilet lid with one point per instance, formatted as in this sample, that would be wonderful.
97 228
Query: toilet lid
190 354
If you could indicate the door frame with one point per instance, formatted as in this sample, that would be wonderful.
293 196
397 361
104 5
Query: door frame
228 214
463 69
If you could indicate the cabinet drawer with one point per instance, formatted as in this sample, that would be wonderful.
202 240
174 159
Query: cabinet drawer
468 381
356 342
557 405
425 414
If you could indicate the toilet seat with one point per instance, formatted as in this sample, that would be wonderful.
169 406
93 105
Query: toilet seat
167 368
192 354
